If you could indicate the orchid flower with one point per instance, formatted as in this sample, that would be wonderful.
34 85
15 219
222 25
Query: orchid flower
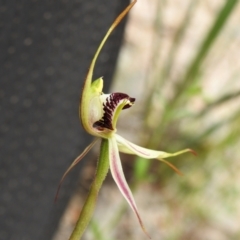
99 113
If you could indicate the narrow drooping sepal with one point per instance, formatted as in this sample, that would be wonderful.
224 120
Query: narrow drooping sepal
119 178
128 147
112 104
74 163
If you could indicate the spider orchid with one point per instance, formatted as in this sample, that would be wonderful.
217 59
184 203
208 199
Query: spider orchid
99 113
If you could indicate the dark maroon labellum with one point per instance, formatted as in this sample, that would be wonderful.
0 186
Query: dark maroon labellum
108 108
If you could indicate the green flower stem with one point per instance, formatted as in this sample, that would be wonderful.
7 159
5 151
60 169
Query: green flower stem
89 205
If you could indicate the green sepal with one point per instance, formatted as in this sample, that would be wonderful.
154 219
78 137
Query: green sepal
93 90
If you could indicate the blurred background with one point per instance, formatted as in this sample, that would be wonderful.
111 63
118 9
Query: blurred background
180 59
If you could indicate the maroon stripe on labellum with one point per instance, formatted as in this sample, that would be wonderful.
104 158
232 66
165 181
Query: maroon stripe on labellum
108 108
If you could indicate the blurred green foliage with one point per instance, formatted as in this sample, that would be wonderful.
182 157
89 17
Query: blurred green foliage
190 116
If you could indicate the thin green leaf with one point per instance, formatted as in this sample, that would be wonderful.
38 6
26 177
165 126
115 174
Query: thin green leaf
194 68
213 33
219 101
